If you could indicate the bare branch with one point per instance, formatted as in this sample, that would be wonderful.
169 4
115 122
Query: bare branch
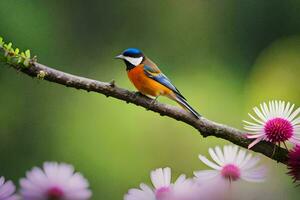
204 126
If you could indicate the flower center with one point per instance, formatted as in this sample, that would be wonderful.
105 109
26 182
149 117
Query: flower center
162 193
231 172
55 193
278 130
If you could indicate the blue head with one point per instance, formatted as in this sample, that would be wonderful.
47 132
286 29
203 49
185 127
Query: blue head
132 52
132 57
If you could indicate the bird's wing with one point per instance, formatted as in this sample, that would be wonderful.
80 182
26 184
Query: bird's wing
155 74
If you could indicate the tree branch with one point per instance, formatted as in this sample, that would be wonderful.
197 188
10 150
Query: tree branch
23 62
204 126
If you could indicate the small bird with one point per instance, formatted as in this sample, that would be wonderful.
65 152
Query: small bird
149 80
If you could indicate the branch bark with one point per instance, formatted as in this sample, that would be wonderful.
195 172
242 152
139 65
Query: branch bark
203 125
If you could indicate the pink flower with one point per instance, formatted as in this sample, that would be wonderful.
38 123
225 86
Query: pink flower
182 189
276 123
231 165
7 190
294 163
56 182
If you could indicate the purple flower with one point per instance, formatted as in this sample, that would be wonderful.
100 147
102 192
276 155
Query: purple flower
276 123
54 182
294 163
7 190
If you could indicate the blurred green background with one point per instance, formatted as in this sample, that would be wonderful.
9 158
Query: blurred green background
225 56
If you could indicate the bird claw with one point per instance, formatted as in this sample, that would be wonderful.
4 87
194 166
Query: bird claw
153 101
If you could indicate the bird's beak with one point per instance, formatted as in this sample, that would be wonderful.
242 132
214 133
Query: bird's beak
119 56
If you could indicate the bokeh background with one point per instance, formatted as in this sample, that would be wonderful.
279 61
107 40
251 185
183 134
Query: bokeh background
225 56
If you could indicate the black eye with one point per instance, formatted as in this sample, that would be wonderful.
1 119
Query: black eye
133 52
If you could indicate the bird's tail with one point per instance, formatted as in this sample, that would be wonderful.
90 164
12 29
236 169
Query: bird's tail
182 102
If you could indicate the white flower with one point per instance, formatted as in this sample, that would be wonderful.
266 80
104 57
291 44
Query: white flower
54 181
231 165
182 189
276 123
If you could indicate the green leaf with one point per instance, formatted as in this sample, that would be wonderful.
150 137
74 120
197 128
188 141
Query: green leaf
27 53
17 50
9 46
1 42
14 56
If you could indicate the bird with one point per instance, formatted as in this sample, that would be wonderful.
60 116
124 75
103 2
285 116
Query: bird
149 80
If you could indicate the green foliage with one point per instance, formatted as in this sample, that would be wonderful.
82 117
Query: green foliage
1 42
13 56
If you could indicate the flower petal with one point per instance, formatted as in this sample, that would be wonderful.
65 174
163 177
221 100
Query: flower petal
209 163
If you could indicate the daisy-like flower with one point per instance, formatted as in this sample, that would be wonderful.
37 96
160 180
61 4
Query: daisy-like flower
7 190
182 189
276 123
231 165
54 182
294 163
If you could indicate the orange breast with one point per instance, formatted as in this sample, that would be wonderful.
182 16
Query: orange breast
146 85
